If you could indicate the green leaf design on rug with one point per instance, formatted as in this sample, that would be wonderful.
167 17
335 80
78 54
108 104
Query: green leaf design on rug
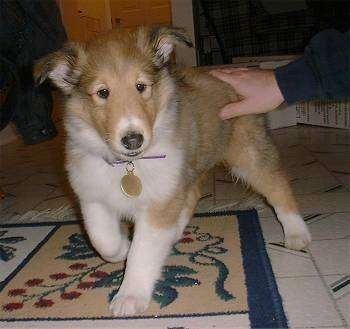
172 276
114 279
208 246
8 252
78 248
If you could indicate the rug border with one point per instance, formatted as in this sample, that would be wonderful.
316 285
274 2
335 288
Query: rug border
263 316
26 259
255 262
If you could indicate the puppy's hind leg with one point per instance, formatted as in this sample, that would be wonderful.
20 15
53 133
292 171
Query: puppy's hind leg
274 186
256 161
103 228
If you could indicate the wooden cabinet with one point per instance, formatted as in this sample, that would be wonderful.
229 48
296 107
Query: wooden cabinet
83 19
128 14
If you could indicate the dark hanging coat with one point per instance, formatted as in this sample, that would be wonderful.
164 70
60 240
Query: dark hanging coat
29 29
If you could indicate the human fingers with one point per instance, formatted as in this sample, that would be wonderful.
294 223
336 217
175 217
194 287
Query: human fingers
235 109
227 77
230 70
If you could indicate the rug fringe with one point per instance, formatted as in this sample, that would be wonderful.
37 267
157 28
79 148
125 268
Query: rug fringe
63 213
249 200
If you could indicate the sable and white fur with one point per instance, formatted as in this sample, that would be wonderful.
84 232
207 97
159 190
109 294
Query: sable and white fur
177 115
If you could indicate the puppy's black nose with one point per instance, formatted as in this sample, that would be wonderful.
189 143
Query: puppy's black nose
132 140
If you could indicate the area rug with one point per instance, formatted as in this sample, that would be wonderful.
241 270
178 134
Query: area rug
217 276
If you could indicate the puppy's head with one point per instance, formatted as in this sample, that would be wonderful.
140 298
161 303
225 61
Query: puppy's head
116 84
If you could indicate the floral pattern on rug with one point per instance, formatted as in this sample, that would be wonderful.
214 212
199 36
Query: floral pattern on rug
66 278
79 277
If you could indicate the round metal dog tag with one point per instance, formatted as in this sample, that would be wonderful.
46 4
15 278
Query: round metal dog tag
131 185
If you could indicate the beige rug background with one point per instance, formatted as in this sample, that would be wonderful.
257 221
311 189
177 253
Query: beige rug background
56 288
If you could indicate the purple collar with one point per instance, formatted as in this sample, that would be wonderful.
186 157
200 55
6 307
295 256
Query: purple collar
150 157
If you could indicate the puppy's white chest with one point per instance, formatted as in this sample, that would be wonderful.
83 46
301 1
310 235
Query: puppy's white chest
153 180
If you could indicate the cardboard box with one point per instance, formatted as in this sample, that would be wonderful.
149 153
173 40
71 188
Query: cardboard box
319 113
324 113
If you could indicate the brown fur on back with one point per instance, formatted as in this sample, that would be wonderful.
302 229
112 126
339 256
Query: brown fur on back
200 98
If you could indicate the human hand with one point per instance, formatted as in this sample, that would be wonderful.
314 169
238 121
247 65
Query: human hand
257 88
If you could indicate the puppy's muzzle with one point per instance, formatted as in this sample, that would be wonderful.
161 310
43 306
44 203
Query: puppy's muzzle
132 140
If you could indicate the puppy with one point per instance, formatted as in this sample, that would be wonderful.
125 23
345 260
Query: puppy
124 102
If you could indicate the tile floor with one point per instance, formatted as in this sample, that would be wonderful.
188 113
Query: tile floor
315 285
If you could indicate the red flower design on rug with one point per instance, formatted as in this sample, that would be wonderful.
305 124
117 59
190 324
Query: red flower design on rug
70 295
44 303
16 292
77 266
12 307
99 274
39 298
59 276
86 285
34 282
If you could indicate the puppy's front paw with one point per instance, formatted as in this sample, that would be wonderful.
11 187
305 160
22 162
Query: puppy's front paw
297 237
128 304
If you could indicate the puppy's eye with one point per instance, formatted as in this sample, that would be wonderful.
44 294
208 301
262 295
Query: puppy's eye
141 87
103 93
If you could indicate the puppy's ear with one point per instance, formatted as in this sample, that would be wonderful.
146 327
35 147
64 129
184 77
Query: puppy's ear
61 67
164 39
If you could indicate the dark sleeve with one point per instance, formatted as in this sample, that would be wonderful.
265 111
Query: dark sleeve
323 72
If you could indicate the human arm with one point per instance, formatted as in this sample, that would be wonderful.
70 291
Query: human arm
322 72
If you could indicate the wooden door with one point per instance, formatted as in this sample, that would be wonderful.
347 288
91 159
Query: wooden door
84 19
133 13
159 12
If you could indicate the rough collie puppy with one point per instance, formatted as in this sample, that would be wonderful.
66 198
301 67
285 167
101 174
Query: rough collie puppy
124 102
